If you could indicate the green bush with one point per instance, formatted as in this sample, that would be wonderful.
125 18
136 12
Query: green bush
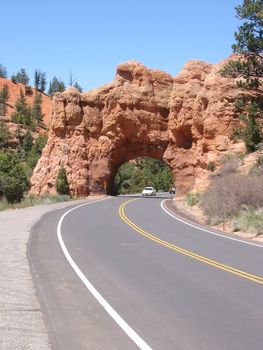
13 180
192 198
62 185
211 166
34 153
4 135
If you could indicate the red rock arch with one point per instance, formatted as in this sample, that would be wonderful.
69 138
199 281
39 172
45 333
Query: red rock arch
185 121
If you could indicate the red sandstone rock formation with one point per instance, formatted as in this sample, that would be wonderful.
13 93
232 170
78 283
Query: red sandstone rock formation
186 121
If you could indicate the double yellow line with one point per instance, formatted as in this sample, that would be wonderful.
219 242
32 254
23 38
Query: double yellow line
186 252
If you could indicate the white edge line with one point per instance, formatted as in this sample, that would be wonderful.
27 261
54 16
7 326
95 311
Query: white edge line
115 316
205 230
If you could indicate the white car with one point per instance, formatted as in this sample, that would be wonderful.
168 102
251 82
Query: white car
149 191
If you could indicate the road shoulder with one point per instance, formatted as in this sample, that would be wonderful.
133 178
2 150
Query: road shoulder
21 322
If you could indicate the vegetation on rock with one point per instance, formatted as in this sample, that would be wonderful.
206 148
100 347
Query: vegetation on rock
40 80
22 114
21 77
3 71
4 95
56 85
4 135
249 67
62 185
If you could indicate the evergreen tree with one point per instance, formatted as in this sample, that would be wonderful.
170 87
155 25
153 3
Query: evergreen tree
13 78
4 96
249 44
37 78
78 87
3 71
249 67
62 185
22 114
13 180
34 154
36 110
40 80
40 144
21 77
27 142
4 135
56 85
43 82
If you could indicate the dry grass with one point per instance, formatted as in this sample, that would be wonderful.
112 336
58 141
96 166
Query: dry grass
249 221
230 193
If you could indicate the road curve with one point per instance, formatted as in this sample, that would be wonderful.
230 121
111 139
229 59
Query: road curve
175 286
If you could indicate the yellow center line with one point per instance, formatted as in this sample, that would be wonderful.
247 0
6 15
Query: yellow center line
186 252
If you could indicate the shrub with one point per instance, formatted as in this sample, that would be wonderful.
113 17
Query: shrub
34 153
229 164
257 168
27 142
249 221
13 180
192 198
260 161
211 166
4 135
228 194
62 185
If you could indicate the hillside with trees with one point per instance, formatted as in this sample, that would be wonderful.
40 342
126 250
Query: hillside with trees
234 198
24 116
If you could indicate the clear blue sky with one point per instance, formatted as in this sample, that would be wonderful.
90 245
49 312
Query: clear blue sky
91 37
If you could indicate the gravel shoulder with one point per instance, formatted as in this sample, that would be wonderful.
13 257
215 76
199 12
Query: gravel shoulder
21 321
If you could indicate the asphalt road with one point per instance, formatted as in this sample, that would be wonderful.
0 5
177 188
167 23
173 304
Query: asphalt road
174 285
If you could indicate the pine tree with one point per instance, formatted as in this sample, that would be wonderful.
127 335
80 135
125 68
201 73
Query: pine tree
40 80
78 87
13 180
22 114
21 77
43 82
4 96
4 135
3 72
36 110
249 67
56 85
37 78
27 142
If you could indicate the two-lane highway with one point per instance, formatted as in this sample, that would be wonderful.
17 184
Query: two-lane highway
121 274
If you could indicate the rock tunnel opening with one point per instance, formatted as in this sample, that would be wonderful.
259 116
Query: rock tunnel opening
134 175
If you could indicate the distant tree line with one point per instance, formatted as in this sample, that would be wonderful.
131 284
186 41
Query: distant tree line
133 176
40 81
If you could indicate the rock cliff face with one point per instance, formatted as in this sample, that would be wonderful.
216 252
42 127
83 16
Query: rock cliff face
186 121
